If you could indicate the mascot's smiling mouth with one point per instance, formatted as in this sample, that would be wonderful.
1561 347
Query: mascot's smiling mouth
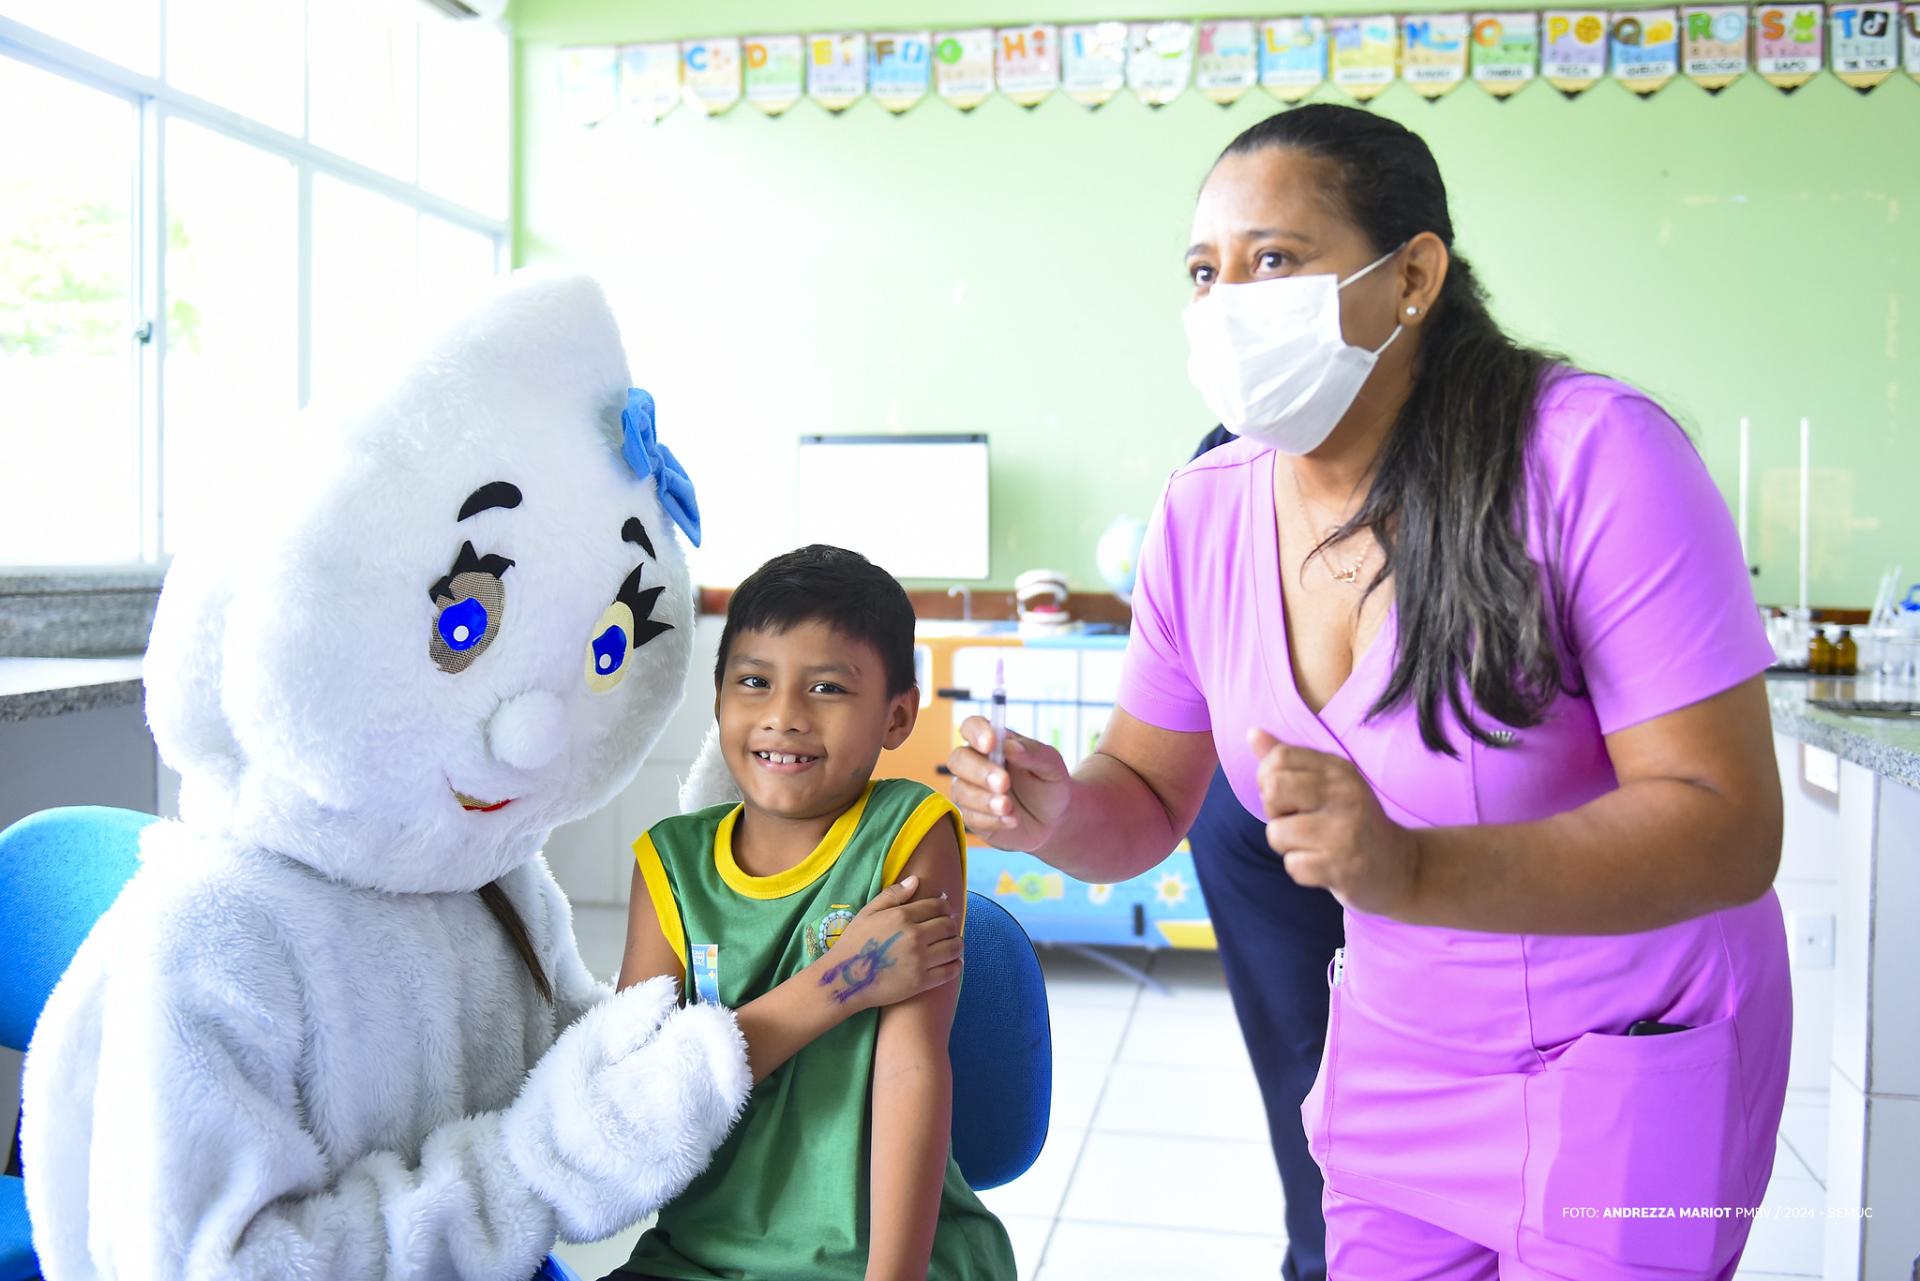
475 806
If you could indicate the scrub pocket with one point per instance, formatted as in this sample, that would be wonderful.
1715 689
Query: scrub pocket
1637 1153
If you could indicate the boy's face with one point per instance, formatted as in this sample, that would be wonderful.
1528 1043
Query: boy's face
804 715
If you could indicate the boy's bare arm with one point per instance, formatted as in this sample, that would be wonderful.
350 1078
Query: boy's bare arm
913 1097
921 944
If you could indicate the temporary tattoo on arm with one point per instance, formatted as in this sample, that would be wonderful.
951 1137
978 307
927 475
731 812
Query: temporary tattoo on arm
857 973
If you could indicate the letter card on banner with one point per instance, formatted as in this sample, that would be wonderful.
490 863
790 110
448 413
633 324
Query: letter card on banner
1433 52
774 73
899 68
1027 63
963 67
1646 49
1866 43
1714 48
710 74
650 79
837 69
1363 51
1093 62
1159 60
1505 52
1225 65
1293 56
1575 59
1788 44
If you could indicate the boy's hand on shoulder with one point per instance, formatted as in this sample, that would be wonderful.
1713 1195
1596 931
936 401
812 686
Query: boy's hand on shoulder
895 948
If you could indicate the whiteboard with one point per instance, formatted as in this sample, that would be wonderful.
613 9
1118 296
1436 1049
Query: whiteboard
914 505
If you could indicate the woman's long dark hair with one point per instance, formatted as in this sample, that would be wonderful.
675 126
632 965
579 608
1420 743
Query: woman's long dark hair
1448 500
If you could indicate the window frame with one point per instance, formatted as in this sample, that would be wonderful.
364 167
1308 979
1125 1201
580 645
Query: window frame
155 101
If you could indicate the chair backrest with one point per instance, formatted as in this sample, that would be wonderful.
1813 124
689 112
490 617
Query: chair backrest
1001 1050
59 870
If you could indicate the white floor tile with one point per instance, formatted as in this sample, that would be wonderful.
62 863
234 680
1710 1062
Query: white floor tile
1088 1032
1029 1235
1077 1086
1789 1233
1072 979
1804 1128
1787 1163
602 935
1039 1192
1213 1185
1118 1252
1172 1035
1191 1102
1194 980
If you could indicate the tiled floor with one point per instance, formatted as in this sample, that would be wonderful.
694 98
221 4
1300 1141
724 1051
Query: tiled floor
1157 1168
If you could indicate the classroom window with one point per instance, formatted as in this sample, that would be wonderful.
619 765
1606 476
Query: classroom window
223 208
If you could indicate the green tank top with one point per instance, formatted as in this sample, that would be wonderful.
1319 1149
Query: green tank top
786 1197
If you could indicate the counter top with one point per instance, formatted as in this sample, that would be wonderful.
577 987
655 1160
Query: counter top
1888 747
35 687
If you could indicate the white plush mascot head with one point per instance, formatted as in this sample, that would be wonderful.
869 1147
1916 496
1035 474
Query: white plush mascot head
423 640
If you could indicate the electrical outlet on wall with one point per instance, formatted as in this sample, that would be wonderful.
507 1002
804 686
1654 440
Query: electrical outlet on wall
1810 940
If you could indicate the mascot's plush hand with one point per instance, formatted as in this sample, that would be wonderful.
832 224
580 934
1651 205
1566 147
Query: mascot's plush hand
337 1025
606 1112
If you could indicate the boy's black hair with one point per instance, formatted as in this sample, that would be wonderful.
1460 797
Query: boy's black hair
830 585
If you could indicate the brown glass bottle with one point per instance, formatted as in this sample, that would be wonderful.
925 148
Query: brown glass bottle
1846 655
1820 654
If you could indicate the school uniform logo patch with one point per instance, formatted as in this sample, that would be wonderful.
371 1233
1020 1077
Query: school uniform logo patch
825 932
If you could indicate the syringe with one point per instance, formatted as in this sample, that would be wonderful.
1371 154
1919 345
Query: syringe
999 753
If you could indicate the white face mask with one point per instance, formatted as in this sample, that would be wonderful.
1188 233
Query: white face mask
1270 361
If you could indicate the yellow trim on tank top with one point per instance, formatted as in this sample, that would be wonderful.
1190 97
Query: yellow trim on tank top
665 907
801 874
928 813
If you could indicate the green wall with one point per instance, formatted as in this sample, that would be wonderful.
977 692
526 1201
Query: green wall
1020 273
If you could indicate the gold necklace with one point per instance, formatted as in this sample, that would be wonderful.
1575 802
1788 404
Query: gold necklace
1349 575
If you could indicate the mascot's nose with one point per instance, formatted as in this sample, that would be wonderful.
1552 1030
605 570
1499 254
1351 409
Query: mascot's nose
528 730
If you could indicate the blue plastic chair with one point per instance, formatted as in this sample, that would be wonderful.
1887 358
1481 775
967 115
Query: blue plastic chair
1001 1049
59 870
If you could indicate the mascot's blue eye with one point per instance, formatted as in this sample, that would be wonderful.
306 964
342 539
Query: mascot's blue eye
462 625
609 651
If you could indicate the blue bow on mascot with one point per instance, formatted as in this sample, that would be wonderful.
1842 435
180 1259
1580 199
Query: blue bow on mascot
337 1026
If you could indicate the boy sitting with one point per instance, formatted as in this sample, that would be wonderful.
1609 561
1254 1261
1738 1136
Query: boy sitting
839 1169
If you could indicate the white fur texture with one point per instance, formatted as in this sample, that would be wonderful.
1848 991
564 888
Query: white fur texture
708 781
299 1046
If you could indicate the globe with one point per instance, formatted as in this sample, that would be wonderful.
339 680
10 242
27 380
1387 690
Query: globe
1117 555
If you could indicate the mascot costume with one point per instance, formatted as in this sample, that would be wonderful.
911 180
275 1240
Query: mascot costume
337 1026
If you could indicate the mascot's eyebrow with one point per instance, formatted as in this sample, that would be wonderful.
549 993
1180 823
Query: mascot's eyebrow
468 562
495 493
634 532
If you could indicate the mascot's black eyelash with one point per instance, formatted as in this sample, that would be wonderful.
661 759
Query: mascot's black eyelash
645 625
468 562
634 532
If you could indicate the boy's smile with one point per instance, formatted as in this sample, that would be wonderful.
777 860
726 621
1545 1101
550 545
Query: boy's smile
804 714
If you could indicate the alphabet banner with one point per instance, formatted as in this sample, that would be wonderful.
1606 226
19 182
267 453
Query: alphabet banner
1225 64
1505 51
1433 52
899 68
1093 62
1866 43
1026 63
1646 49
1576 52
710 73
963 67
1159 60
1293 57
773 72
1364 51
1787 44
1714 52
